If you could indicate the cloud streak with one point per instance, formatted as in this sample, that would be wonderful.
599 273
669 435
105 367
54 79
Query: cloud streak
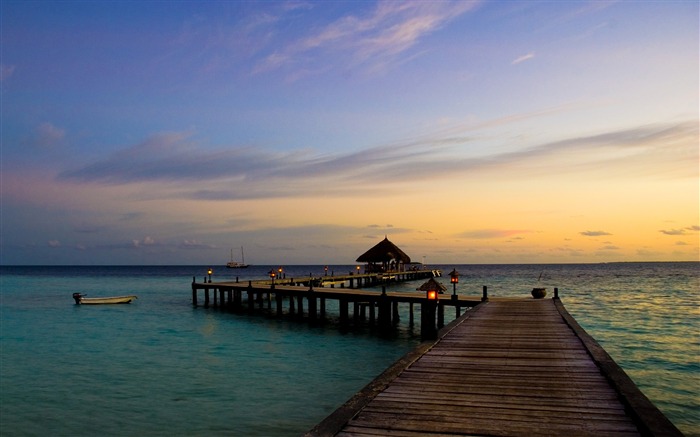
491 233
376 39
248 172
682 231
594 233
523 58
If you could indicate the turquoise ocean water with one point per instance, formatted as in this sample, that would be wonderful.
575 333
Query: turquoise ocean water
161 367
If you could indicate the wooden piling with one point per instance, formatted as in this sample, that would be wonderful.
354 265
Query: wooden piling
427 319
194 292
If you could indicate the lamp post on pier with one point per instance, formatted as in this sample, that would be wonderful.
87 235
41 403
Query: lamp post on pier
454 279
209 272
432 290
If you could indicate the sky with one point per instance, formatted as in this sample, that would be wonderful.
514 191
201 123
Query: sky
163 133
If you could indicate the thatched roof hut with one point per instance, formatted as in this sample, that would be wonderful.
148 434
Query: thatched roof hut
385 256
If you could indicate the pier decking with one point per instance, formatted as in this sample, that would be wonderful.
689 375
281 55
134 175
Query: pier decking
519 367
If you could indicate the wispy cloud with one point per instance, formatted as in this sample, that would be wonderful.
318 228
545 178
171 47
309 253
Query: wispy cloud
594 233
6 71
376 39
44 136
523 58
253 172
146 241
681 231
491 233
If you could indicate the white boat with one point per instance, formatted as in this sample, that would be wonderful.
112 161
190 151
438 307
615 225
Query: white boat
80 299
235 264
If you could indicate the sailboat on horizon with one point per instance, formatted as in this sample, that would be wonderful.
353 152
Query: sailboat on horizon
235 264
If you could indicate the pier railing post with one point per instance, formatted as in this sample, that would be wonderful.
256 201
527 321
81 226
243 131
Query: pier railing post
556 292
485 294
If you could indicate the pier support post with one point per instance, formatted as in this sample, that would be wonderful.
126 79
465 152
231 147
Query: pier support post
312 304
343 310
206 297
427 319
384 321
251 298
395 312
278 301
237 299
194 292
300 309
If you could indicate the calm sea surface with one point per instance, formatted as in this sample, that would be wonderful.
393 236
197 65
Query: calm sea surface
160 366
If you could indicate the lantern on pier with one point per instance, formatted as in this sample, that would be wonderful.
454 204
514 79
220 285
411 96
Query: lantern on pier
432 289
272 275
454 279
209 272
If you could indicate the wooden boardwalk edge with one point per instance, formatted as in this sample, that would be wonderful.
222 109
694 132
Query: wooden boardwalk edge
332 424
648 418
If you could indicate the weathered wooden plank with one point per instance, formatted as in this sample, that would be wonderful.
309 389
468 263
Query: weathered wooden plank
427 424
479 401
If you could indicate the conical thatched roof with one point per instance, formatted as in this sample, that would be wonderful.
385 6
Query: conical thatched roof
432 284
385 251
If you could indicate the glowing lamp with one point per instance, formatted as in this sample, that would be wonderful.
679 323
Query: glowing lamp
454 276
210 271
431 295
454 279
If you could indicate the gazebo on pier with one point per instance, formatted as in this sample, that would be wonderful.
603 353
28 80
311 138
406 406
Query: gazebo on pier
384 257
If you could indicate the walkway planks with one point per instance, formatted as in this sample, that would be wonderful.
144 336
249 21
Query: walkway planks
506 368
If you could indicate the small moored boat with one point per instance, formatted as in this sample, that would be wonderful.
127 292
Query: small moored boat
80 299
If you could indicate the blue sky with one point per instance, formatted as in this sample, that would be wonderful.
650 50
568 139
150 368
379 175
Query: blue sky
485 131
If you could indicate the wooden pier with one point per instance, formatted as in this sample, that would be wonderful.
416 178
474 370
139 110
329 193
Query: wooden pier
512 367
305 298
